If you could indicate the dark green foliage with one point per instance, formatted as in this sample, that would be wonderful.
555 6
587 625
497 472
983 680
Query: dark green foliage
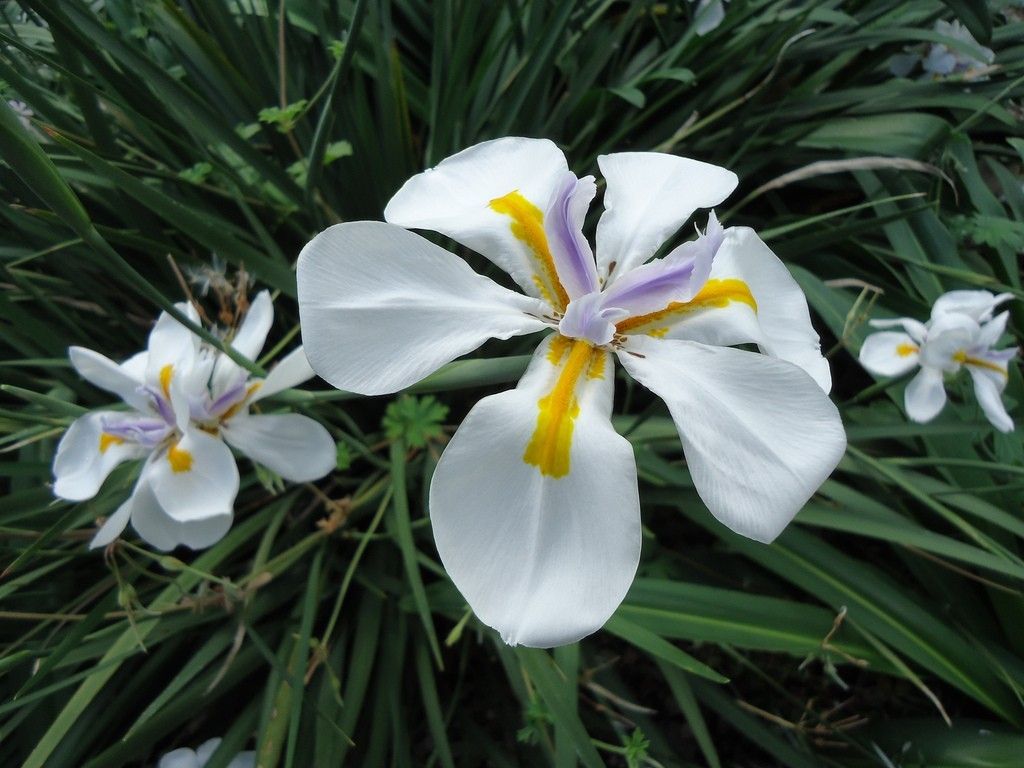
323 629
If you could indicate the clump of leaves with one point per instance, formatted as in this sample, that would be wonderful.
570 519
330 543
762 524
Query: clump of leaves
537 717
417 420
993 231
284 118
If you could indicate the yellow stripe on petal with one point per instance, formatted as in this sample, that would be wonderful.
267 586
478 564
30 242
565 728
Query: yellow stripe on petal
528 227
108 440
964 359
550 445
179 459
165 379
905 350
714 295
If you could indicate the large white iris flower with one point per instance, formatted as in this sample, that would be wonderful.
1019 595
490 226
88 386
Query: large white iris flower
186 399
534 503
960 334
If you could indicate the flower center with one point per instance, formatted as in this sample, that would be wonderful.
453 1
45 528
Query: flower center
586 318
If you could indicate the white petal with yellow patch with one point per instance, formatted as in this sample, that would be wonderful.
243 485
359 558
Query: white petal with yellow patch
749 298
86 455
194 478
889 353
382 307
534 503
503 199
171 349
758 433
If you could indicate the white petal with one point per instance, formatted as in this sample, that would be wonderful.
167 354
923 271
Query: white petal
296 447
205 750
171 349
949 335
917 330
976 304
758 433
113 525
243 760
545 560
991 331
122 380
252 333
455 197
180 758
161 531
781 325
292 370
136 366
649 196
196 478
248 340
85 458
925 395
987 389
708 16
381 307
888 353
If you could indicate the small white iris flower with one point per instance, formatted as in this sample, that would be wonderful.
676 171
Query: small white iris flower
199 757
960 334
534 503
941 61
186 399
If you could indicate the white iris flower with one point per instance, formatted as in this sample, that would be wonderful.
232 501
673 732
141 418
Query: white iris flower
186 399
960 334
534 503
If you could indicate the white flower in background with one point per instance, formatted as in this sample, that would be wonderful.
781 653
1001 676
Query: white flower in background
708 16
23 111
186 399
534 503
942 60
960 334
198 758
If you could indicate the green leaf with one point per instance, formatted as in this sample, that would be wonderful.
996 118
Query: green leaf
660 648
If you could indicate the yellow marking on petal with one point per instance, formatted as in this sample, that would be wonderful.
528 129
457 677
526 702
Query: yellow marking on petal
528 227
234 409
179 459
714 295
165 379
559 346
596 368
904 350
550 444
964 359
108 440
